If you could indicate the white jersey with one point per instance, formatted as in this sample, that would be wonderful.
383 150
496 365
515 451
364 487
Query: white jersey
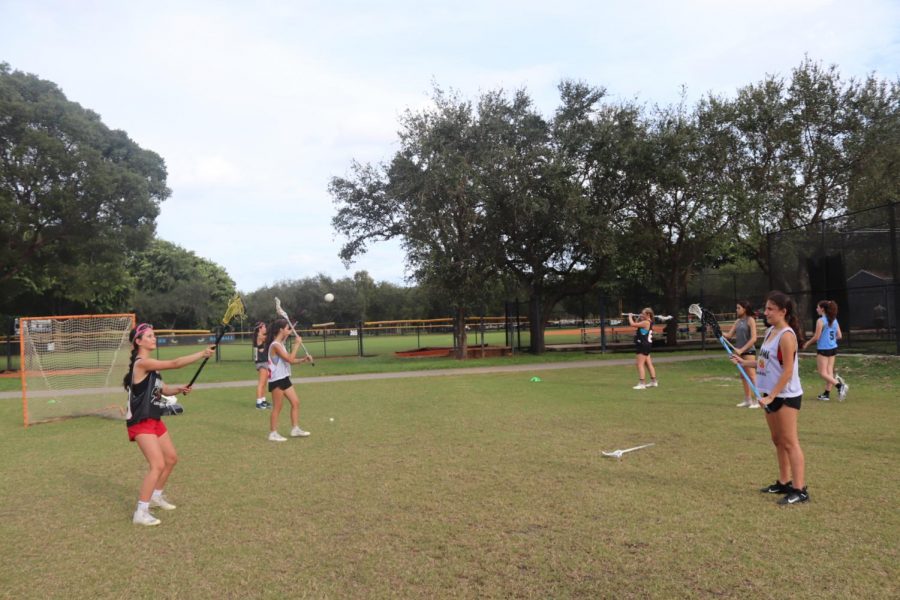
769 365
278 367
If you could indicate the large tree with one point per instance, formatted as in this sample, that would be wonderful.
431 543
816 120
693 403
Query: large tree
76 199
178 289
432 197
793 158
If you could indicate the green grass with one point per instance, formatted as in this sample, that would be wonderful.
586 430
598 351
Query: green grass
466 486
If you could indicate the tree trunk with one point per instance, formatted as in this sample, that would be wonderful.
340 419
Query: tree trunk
459 333
536 323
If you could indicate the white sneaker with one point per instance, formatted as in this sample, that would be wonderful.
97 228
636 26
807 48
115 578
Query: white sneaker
640 386
143 517
744 404
753 404
844 389
297 432
653 383
162 503
274 436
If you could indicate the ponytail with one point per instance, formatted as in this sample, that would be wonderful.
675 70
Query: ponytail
256 328
133 336
830 308
126 381
273 329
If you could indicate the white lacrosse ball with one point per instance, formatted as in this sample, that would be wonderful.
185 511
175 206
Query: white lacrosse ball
329 297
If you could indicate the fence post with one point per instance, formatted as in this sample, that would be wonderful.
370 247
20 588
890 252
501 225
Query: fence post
602 324
359 338
895 272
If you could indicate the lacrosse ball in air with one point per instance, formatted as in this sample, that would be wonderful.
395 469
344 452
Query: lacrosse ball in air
329 297
331 419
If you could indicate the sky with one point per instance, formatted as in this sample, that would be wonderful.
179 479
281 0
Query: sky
255 106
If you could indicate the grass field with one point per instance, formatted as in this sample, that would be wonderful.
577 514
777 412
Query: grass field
467 486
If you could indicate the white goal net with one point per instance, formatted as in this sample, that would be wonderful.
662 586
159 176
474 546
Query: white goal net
73 365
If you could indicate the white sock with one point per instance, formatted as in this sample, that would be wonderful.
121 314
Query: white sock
156 494
260 400
143 506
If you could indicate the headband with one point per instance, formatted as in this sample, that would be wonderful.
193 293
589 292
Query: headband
141 329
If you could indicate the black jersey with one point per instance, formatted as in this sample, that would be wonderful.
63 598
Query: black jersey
261 354
145 399
643 338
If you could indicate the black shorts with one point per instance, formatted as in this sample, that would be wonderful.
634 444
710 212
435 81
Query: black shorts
280 384
780 401
644 349
750 352
832 352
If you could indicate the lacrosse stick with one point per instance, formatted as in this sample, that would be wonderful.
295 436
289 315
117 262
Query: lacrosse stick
707 318
235 309
284 316
619 453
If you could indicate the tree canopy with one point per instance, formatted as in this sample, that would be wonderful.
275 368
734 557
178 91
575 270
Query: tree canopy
76 199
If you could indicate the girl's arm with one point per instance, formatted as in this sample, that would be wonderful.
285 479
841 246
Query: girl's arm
730 335
815 336
290 358
744 362
154 364
173 390
839 334
788 347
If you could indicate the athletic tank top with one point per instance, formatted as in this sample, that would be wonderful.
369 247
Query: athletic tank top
769 365
145 399
742 332
828 339
643 337
261 353
278 367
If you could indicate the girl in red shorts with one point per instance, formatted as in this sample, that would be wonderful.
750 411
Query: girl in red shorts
146 407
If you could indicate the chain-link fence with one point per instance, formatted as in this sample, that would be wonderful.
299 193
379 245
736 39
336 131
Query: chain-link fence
851 259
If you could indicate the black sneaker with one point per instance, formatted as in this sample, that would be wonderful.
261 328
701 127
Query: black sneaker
261 406
795 497
823 396
778 488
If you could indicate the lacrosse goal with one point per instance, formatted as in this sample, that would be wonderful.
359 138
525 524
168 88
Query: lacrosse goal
73 365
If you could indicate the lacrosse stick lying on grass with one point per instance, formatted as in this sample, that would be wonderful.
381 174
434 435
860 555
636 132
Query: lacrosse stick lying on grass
285 316
619 453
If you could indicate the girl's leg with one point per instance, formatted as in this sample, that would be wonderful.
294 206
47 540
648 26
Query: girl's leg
152 449
787 426
640 366
170 456
824 373
291 394
784 463
830 367
262 379
649 362
277 399
751 373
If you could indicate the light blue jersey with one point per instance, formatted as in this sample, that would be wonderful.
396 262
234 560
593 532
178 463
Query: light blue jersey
828 339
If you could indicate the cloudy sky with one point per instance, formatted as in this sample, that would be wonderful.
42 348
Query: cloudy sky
256 105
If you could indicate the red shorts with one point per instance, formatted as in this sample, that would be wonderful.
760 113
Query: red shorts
153 426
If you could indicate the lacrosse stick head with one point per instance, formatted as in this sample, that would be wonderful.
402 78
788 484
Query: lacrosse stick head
235 309
280 310
706 318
